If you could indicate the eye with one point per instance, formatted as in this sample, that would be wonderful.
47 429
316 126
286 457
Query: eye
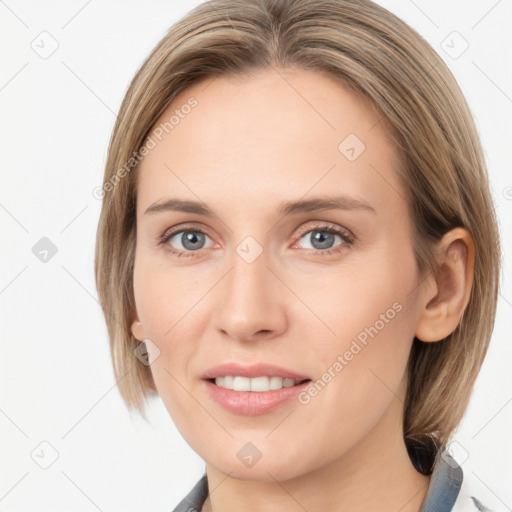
184 241
322 239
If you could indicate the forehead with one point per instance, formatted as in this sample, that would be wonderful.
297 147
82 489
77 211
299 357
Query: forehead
271 133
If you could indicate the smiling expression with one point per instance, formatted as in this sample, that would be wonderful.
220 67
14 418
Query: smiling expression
272 228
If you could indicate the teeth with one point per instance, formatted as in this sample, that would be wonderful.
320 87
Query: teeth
258 384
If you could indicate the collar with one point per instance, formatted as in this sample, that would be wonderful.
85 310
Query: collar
445 484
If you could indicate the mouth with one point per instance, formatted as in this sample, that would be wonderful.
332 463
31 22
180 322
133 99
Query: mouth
254 396
253 389
260 384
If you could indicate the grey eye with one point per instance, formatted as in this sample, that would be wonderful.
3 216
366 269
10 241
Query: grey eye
320 239
189 240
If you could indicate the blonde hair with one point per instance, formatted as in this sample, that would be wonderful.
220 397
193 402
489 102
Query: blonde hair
377 56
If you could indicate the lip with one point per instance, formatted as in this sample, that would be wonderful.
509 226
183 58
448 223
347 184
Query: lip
253 403
255 370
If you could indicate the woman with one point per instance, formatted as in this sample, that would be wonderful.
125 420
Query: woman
298 252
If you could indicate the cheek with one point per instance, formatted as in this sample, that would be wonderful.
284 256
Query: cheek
169 306
163 296
371 315
364 303
371 362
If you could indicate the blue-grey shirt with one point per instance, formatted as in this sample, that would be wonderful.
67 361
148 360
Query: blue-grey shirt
446 492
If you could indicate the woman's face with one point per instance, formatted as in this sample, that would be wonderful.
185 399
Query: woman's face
330 294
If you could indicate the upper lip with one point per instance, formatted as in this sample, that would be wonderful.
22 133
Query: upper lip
254 370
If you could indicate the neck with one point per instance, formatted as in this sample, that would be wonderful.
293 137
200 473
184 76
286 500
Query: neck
376 475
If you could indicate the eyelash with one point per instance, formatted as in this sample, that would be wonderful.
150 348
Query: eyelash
347 237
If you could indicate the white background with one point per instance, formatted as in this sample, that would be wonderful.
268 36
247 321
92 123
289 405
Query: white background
57 385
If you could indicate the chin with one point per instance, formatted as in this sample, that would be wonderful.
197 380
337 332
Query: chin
268 468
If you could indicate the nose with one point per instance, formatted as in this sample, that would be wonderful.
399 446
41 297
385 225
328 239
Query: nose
251 301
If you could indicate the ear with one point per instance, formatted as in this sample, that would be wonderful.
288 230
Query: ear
446 295
136 327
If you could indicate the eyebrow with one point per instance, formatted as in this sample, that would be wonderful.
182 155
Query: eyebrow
285 209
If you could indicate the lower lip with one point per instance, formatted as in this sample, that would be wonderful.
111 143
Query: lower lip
252 403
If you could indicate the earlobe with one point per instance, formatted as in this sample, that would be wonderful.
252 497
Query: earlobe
137 329
447 297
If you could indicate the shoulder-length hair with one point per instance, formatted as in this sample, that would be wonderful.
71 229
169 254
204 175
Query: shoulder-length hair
380 58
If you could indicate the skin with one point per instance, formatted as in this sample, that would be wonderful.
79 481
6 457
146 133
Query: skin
251 143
